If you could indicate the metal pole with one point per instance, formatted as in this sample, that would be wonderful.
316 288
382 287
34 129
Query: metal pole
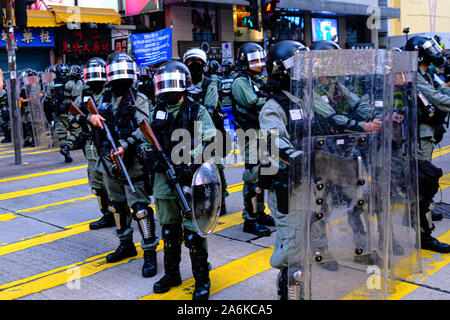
13 83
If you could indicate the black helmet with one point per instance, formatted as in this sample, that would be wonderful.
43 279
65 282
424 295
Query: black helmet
429 50
325 45
172 76
51 69
62 70
28 73
227 67
76 72
144 72
278 56
120 66
396 49
95 70
214 67
250 55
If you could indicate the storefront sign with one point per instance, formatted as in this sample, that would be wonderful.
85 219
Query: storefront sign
31 37
85 41
151 48
121 45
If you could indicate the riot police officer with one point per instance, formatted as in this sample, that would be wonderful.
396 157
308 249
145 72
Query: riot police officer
247 102
123 110
177 110
59 95
275 116
433 107
225 84
145 83
27 120
204 91
4 111
95 79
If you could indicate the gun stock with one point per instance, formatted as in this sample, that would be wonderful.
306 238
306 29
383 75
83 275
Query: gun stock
73 109
91 106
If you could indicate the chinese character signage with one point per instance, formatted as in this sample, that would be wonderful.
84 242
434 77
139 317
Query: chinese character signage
151 48
84 41
31 37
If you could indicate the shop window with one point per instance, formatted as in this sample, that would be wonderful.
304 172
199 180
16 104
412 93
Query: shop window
204 23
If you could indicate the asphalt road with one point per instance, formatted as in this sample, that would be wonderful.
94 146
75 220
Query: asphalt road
47 251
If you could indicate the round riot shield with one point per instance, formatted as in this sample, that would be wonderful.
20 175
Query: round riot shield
206 198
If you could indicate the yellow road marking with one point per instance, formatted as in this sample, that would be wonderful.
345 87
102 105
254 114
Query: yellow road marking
39 174
441 151
24 149
222 277
92 265
32 191
31 153
231 220
433 263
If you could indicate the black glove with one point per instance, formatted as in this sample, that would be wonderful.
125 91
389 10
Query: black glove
150 160
184 174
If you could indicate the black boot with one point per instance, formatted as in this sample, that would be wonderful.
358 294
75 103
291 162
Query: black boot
126 249
171 234
199 262
66 153
106 221
254 227
223 208
265 219
433 244
149 268
282 285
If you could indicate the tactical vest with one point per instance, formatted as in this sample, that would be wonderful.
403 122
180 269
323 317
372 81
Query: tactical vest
60 97
121 124
244 120
164 123
200 95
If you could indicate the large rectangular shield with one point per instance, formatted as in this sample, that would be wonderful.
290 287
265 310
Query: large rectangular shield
13 107
405 254
41 129
339 198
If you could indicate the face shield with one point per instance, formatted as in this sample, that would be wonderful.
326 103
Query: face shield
97 73
170 82
256 59
121 70
434 51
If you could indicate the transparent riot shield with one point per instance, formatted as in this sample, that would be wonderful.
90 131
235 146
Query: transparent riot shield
405 254
341 200
35 112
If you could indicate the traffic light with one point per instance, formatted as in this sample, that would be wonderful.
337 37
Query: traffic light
252 21
269 14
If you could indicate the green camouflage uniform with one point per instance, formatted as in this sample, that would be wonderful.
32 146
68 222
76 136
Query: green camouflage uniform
244 92
118 190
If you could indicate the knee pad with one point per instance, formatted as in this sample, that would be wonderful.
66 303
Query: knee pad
192 240
171 234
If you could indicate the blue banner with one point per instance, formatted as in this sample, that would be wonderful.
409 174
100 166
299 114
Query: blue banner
31 37
151 48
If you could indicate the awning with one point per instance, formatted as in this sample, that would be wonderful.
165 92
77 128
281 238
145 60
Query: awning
42 18
64 14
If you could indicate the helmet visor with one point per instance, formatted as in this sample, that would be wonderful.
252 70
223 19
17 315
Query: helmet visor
121 70
432 48
94 74
256 59
170 82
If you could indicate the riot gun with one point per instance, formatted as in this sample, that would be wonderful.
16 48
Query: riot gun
170 171
93 109
73 109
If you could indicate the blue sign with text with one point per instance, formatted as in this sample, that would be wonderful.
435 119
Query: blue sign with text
31 37
151 48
